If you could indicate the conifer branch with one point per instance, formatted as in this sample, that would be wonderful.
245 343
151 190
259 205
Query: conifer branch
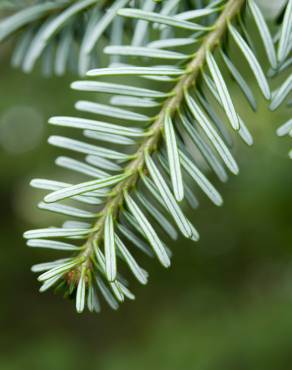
170 107
131 188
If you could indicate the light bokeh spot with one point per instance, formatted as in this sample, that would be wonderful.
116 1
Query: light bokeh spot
21 129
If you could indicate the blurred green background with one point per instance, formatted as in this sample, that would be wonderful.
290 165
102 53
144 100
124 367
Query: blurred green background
226 302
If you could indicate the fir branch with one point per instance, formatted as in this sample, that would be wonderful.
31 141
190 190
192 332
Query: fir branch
67 26
169 108
129 186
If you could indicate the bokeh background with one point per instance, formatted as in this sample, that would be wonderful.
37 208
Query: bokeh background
226 302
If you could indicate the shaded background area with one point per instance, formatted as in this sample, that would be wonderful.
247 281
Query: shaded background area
226 302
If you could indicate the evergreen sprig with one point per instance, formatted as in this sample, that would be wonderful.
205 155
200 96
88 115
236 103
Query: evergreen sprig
65 34
140 178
